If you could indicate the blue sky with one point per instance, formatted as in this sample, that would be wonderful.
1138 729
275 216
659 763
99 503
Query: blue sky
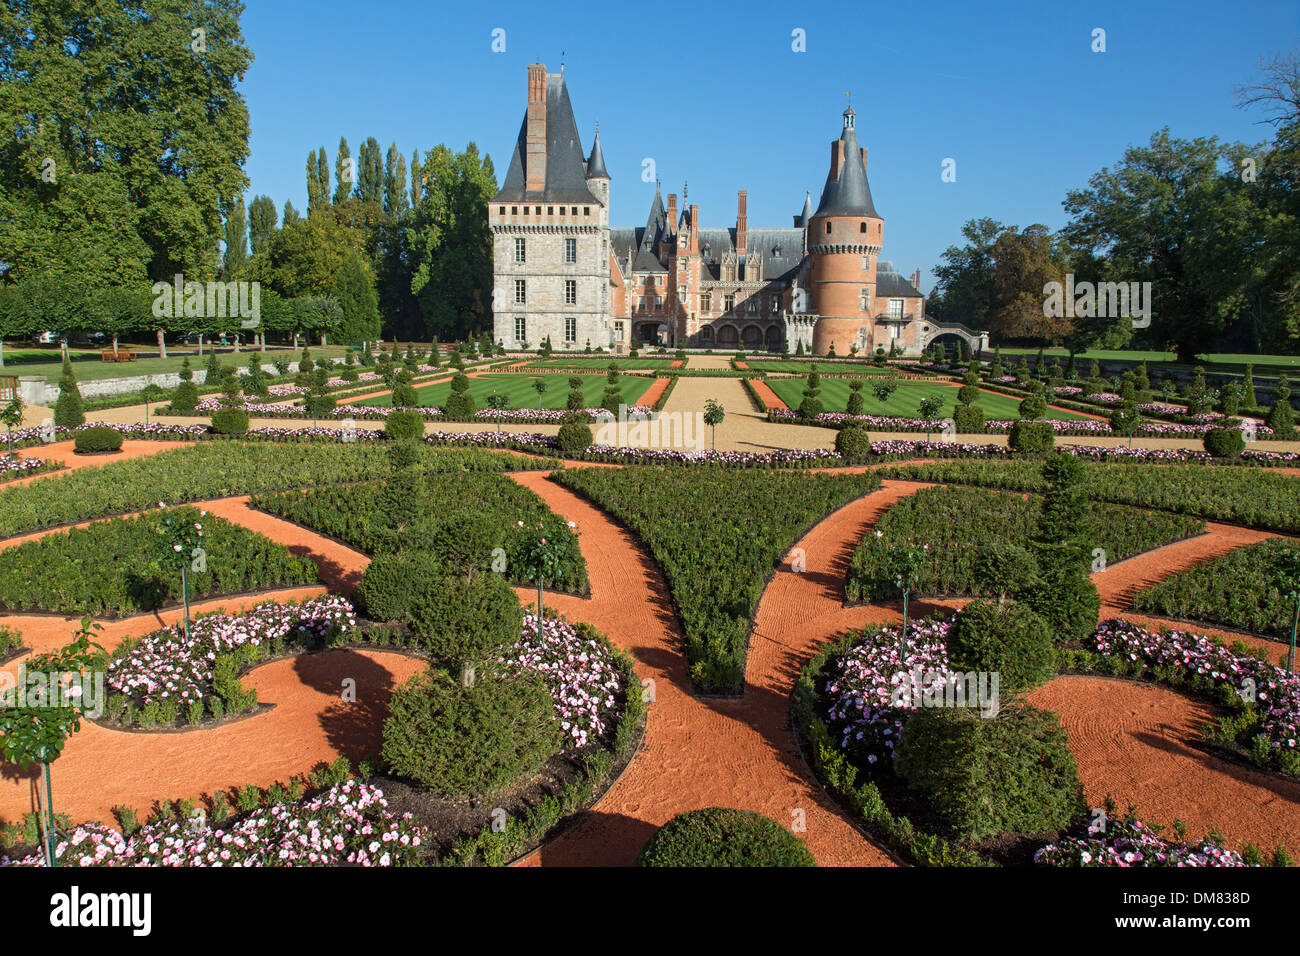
715 94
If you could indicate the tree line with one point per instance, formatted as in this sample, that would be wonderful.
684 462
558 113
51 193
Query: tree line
1213 226
111 189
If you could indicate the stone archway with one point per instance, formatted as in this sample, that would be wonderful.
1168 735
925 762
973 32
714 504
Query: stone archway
752 337
975 342
705 335
775 335
728 337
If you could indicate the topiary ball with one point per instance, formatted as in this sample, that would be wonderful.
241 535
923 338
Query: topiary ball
853 444
573 437
466 617
810 408
968 419
985 776
404 425
391 582
724 837
1010 640
1224 442
230 421
1031 437
97 439
470 741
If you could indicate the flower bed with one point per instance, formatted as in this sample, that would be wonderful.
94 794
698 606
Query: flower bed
349 823
12 467
1271 730
860 686
167 666
1146 429
580 673
1133 843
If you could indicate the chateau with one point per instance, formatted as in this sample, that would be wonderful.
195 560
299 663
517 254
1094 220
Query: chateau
561 270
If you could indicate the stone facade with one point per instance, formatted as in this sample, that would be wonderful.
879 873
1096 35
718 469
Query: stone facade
560 269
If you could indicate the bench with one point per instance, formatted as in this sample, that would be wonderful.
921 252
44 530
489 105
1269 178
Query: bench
8 388
121 355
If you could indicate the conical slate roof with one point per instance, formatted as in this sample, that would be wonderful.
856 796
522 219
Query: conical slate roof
596 162
566 170
850 195
807 209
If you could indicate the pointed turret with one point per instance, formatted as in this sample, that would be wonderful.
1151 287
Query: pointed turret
596 162
846 192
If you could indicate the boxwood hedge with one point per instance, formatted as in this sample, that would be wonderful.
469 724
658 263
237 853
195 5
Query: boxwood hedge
724 837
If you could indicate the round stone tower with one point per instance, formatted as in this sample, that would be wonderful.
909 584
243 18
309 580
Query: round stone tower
844 239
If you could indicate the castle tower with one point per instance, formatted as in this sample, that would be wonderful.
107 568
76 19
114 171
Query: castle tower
550 230
844 239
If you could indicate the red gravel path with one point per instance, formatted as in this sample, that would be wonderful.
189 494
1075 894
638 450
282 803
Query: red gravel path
769 397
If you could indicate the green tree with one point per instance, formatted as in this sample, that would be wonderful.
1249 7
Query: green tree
713 416
395 195
370 173
345 172
68 411
450 246
355 293
235 258
261 223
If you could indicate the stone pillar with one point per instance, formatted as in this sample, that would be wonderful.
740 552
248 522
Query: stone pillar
31 389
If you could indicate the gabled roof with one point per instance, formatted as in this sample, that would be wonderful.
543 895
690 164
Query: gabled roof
566 169
849 195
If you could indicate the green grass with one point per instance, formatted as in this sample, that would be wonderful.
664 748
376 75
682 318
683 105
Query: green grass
585 361
905 402
1213 361
88 366
826 368
520 393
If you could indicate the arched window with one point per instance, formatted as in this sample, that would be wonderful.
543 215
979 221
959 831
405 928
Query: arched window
828 228
862 227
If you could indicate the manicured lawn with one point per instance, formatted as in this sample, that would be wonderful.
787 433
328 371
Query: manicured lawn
88 366
803 367
1213 361
905 402
520 392
600 363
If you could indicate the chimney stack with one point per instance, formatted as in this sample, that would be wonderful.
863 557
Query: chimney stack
916 279
742 222
837 157
672 213
535 147
695 229
864 157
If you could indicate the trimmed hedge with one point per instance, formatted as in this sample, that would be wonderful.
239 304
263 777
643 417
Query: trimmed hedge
1031 437
100 438
470 741
1224 442
724 837
853 443
573 437
1010 640
969 419
741 525
984 777
404 424
230 421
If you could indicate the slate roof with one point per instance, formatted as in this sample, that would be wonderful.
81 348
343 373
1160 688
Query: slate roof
596 162
850 195
890 283
566 169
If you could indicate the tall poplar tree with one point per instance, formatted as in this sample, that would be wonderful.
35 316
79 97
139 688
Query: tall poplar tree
395 202
236 240
345 172
370 173
261 222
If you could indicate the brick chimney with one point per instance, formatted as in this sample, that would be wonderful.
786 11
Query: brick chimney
672 213
535 155
916 279
837 157
864 157
742 222
695 230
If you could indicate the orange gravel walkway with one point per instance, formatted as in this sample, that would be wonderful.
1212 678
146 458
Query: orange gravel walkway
700 752
656 389
1137 743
